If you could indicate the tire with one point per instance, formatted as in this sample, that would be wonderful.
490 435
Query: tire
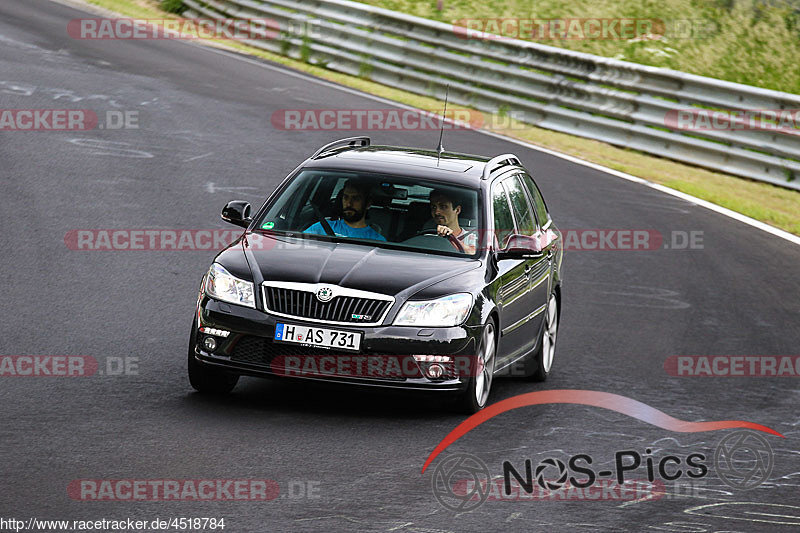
208 380
480 384
540 362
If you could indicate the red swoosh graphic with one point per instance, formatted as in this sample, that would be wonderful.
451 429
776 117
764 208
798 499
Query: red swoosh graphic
606 400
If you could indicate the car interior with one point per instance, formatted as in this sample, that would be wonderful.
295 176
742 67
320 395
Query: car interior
399 210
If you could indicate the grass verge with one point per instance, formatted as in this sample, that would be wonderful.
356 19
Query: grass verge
773 205
755 42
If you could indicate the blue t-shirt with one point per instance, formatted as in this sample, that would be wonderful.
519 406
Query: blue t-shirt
343 229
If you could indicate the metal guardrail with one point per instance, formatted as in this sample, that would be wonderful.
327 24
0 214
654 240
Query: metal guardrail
621 103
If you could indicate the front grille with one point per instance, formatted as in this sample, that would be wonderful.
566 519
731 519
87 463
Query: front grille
256 350
262 351
304 304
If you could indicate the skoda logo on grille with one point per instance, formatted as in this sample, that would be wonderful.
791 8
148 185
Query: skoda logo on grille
324 294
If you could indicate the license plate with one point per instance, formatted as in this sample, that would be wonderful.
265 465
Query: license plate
322 337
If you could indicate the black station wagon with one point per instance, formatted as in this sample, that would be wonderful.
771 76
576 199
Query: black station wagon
385 266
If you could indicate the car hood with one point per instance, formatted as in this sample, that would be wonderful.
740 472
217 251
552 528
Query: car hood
392 272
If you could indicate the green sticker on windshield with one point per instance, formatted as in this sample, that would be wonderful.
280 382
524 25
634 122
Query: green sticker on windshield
267 225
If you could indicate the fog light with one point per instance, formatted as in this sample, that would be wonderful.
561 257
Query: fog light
210 344
435 371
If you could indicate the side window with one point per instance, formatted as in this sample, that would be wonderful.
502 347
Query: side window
519 203
538 200
503 220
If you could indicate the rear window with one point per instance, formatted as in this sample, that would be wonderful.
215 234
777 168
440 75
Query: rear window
503 220
538 200
519 203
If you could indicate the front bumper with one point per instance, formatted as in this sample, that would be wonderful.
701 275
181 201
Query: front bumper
249 350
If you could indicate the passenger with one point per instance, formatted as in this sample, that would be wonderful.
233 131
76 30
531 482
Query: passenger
355 202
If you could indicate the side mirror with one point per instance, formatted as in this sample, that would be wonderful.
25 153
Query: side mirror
521 247
527 246
237 212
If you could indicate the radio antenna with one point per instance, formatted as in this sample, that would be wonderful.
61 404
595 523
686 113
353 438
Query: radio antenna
440 148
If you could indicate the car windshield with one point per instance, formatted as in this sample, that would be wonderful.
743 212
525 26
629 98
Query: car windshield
390 211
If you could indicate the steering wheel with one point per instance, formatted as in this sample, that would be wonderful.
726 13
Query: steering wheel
452 238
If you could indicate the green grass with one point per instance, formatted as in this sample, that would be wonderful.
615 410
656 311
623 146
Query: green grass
756 42
172 6
132 8
768 203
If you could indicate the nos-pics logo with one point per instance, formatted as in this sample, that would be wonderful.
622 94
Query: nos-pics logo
461 482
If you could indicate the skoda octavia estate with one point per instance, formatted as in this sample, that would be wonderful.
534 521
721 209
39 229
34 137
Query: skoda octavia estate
385 266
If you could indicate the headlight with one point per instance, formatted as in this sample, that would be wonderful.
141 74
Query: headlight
221 285
440 313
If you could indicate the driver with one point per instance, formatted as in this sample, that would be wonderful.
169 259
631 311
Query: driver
355 202
445 208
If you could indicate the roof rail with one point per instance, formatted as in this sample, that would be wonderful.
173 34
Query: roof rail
499 161
352 142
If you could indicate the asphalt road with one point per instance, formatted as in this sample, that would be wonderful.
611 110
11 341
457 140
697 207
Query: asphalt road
204 138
